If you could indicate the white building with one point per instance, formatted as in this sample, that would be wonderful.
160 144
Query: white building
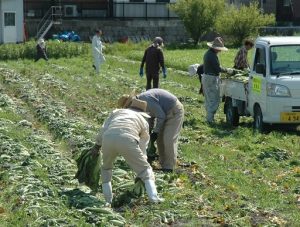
11 21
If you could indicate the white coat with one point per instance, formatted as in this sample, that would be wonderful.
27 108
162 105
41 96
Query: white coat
97 48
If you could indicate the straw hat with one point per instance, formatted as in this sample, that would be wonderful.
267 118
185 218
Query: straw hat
125 101
217 44
140 106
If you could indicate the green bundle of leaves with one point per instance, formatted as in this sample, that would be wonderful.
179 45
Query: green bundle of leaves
151 152
89 169
133 192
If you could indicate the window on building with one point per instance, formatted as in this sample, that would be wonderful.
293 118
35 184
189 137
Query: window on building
166 1
9 19
286 2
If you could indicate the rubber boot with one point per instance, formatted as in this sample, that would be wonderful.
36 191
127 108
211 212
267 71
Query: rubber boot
152 192
107 191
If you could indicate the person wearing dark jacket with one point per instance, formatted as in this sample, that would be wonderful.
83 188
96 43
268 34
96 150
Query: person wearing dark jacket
41 50
211 79
154 59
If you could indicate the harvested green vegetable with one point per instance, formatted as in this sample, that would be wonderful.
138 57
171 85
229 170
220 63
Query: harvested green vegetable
89 169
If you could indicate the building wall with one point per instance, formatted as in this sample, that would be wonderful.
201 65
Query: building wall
17 7
270 6
115 30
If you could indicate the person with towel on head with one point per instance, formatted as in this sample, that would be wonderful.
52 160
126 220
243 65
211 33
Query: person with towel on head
168 113
41 51
126 132
154 59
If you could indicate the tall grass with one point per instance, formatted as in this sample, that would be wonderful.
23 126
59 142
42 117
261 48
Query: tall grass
55 49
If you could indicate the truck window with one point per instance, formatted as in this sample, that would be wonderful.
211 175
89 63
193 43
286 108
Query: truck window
285 59
260 57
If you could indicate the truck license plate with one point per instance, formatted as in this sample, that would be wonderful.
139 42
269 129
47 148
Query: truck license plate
290 117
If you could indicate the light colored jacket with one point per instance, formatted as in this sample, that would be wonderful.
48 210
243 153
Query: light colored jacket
126 123
97 48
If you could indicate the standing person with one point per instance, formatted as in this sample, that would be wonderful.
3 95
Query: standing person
240 60
154 59
41 51
168 114
125 132
211 79
97 48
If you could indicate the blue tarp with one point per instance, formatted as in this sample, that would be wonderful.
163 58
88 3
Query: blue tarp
67 36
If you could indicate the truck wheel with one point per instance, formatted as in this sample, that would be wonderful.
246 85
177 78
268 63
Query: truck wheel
232 115
258 123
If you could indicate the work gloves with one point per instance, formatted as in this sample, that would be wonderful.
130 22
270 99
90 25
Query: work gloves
141 72
164 71
153 137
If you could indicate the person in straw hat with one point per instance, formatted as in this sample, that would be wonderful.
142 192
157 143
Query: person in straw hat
168 113
126 132
154 59
211 79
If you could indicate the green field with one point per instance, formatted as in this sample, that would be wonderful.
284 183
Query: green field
50 111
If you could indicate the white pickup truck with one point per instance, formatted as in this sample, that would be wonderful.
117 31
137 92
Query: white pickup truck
271 94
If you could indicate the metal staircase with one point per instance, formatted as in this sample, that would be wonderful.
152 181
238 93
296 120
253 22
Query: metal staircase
52 16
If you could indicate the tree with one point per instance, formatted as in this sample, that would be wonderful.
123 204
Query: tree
243 22
198 16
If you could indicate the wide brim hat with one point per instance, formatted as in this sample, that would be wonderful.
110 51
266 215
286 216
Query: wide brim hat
125 100
217 44
139 106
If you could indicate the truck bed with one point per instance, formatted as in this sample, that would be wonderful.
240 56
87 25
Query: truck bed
233 88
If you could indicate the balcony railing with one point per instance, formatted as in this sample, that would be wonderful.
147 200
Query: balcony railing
121 10
142 10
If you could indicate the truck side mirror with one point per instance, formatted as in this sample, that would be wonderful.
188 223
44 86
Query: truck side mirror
260 68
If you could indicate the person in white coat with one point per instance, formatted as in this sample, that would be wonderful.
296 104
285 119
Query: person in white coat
126 132
97 48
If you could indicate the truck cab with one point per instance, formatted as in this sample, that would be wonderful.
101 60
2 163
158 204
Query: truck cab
272 94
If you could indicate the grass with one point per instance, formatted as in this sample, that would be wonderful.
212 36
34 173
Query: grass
241 178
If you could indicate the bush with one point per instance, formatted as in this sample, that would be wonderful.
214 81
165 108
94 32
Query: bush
243 22
54 50
198 16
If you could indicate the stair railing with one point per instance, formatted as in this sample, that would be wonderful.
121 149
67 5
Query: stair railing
53 14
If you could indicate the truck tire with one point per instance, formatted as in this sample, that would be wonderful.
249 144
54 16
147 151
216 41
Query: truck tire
258 123
232 115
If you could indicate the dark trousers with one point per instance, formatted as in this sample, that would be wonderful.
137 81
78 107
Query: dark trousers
155 78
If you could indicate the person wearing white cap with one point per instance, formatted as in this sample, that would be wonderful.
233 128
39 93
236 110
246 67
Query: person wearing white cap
41 50
126 132
211 79
154 59
97 48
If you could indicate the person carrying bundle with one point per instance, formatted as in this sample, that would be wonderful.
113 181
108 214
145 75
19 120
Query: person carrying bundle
126 132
